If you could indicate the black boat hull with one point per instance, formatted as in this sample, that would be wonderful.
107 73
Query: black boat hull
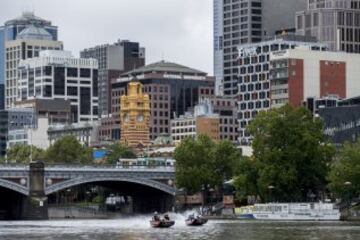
161 224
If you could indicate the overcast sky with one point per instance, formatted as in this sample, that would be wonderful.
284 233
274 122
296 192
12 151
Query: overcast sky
176 30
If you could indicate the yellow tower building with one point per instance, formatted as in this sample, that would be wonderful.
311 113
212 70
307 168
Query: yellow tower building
135 116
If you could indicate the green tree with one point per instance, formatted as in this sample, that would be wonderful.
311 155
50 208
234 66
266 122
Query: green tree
201 162
68 150
20 153
246 178
291 153
117 151
344 176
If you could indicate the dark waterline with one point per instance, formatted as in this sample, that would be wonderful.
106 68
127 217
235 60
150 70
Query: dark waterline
138 228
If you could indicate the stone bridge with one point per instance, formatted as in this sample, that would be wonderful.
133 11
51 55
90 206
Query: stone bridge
36 181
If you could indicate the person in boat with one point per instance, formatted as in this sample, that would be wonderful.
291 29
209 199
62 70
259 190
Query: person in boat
191 216
156 216
166 217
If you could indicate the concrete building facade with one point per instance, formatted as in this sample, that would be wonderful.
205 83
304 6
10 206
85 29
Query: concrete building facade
334 22
238 22
13 27
203 121
28 44
13 119
172 89
58 75
298 74
253 80
114 59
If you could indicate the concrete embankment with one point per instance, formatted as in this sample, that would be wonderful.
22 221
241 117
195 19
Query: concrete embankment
78 213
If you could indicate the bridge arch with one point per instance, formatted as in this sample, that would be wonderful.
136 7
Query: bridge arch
78 181
14 187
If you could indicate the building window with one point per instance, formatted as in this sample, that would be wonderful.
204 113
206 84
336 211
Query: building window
59 81
72 72
84 72
85 101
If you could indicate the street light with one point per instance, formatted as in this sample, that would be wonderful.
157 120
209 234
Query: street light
348 200
270 187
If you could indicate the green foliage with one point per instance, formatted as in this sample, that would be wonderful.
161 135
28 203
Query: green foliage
68 150
201 162
346 169
290 154
20 153
117 151
246 178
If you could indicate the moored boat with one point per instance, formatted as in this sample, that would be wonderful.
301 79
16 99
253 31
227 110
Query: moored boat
296 211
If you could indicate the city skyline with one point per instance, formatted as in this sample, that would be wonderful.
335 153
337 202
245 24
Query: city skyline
182 33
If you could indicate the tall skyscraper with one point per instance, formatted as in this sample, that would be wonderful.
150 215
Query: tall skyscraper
238 22
334 22
13 27
113 60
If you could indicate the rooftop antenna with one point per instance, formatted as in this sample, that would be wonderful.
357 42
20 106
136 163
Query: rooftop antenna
162 57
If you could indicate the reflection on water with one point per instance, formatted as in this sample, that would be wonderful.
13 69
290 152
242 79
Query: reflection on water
138 228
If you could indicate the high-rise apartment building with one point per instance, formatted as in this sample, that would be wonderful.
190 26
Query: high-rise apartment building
13 27
58 75
238 22
334 22
114 59
253 80
28 44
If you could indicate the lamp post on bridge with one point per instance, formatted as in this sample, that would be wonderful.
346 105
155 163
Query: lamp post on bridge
347 185
271 188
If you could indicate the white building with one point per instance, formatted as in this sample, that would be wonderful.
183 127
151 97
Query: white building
202 121
58 75
28 44
300 74
35 134
85 133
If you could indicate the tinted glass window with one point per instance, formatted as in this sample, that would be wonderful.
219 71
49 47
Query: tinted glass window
72 72
59 82
84 72
85 99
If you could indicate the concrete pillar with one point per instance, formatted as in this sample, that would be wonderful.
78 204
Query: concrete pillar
35 206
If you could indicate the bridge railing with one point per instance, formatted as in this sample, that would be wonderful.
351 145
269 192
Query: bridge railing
17 166
90 167
108 167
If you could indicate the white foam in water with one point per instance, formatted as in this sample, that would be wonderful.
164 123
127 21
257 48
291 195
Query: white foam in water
76 225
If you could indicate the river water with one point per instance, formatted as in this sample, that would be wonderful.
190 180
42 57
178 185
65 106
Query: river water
135 228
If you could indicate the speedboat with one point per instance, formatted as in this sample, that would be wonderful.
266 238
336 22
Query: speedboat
195 221
161 223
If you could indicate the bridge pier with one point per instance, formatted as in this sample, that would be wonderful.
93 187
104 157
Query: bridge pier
35 206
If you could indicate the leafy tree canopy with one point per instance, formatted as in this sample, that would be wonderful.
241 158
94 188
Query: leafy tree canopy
201 162
68 150
20 153
291 154
344 176
117 151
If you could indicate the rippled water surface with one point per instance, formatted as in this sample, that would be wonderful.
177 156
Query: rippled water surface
139 228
